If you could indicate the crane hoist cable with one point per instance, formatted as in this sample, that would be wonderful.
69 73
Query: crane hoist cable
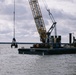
51 17
14 40
50 14
14 20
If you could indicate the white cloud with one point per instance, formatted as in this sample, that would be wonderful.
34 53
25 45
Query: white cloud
62 10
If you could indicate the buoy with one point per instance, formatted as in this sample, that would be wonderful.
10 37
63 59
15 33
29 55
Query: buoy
14 39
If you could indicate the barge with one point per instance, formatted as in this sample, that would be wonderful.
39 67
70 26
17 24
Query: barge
51 48
46 51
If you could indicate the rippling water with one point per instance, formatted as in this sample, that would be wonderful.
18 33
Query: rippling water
11 63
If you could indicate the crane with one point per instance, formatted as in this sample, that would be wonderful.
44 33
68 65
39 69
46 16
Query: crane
14 39
44 35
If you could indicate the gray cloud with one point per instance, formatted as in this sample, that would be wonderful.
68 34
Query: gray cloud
72 1
9 9
25 26
60 14
2 0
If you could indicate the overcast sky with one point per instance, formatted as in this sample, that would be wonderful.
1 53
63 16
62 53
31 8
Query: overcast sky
64 12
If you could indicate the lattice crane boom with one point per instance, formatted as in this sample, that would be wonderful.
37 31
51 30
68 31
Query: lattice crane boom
38 19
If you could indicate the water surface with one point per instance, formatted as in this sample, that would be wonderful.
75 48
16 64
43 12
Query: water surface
12 63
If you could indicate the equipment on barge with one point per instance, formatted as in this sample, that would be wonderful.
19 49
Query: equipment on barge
45 36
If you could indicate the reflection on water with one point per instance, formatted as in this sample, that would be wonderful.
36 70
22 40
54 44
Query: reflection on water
11 63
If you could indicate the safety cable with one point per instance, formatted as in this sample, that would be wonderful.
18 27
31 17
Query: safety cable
50 14
45 4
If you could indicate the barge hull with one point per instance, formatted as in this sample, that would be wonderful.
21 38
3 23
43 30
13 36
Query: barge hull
45 51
